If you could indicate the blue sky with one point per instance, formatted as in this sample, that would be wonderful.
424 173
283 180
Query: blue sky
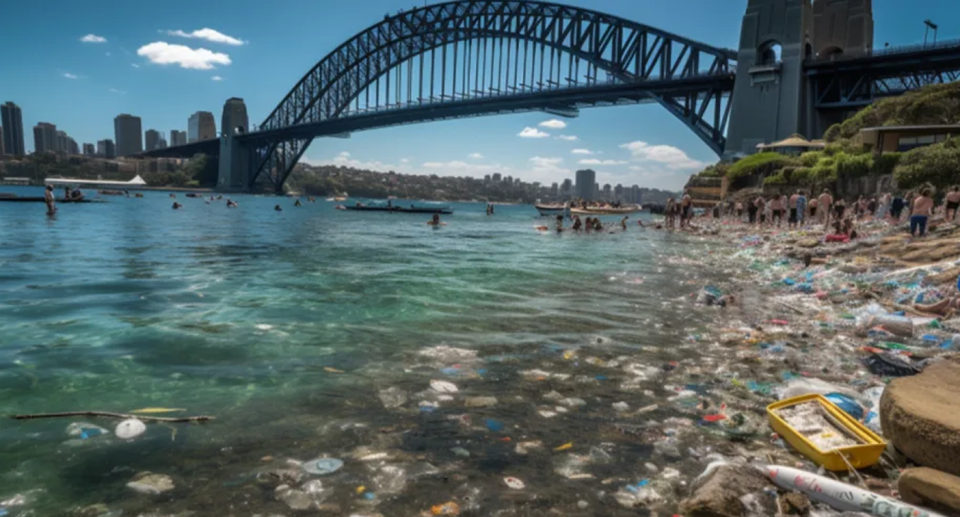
258 50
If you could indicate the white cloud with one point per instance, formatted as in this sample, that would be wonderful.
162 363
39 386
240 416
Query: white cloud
344 154
404 160
546 169
666 155
121 92
134 65
68 75
553 124
581 151
209 35
163 53
216 78
594 161
532 132
93 38
475 156
568 138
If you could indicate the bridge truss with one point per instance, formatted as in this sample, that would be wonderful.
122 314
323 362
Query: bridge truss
475 57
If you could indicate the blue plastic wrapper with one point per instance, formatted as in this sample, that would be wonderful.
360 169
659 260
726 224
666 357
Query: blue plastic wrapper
847 404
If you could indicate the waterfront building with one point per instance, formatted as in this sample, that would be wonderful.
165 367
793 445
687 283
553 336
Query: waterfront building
44 138
106 148
12 123
89 150
201 126
151 139
585 180
127 131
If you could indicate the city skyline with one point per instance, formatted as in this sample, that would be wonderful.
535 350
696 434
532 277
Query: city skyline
191 57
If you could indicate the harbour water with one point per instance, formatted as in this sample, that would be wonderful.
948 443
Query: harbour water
288 327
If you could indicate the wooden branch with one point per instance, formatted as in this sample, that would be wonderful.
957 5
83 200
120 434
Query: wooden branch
114 415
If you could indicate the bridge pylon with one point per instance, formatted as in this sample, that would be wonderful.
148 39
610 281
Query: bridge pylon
234 156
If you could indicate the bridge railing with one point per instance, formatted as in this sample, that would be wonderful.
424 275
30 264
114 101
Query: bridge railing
890 51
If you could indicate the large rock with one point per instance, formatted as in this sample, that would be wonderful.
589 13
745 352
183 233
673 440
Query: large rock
921 416
930 488
150 483
730 491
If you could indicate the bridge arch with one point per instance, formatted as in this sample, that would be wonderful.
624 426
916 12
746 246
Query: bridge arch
625 52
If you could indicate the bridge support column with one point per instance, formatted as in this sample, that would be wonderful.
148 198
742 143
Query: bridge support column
770 95
234 156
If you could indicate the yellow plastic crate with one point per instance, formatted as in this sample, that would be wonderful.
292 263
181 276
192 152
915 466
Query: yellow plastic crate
858 456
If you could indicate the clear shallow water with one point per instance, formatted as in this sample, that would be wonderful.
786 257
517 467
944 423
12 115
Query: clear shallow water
237 313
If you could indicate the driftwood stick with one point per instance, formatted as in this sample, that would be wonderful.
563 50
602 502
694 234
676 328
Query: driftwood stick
114 415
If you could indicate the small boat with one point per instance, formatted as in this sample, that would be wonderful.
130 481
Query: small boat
400 209
546 210
825 433
596 210
340 199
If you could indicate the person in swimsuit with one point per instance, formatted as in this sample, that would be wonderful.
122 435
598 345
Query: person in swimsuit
775 210
685 213
922 210
49 200
953 202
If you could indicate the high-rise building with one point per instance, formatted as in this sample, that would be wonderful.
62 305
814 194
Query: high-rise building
72 147
62 146
177 137
201 126
89 150
607 193
486 178
12 119
106 148
151 138
127 131
44 138
618 192
585 180
1 141
566 188
161 142
554 189
234 117
496 177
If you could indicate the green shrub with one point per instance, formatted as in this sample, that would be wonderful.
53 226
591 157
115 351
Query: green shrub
802 176
886 163
760 163
776 179
810 159
938 165
853 166
832 134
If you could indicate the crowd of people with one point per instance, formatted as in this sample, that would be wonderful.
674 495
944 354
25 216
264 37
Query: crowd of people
840 215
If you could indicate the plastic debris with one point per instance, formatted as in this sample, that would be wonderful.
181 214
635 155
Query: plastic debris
129 429
443 386
514 483
322 466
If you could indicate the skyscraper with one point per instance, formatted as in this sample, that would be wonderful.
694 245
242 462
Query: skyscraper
44 138
127 130
12 120
106 148
88 150
62 145
585 180
151 138
1 141
72 147
201 126
177 137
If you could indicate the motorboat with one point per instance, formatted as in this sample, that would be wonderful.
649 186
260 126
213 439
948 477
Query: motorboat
552 209
608 210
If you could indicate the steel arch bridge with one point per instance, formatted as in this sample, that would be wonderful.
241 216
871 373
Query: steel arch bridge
479 57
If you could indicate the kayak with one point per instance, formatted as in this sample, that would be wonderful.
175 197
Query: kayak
400 209
605 211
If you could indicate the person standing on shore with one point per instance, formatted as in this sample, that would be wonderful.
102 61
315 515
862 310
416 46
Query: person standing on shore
739 210
792 205
953 202
685 208
824 204
896 208
49 200
922 210
670 212
801 208
775 210
761 205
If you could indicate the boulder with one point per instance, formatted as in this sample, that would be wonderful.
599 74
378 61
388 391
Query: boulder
920 415
931 489
726 491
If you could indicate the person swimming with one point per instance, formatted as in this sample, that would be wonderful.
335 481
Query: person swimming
277 208
577 223
559 223
435 221
231 203
623 222
298 203
177 206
